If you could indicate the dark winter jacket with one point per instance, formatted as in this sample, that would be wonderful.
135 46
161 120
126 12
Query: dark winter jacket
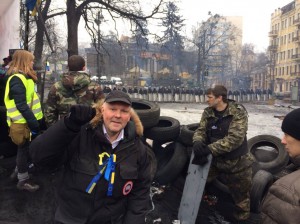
3 127
130 200
282 203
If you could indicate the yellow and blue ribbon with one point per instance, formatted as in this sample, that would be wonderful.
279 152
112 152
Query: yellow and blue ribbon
110 174
108 166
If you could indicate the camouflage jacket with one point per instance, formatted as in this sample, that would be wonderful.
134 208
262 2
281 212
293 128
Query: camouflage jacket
235 135
74 88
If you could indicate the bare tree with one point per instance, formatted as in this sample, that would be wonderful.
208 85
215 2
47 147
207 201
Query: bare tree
242 59
126 9
244 63
211 38
38 24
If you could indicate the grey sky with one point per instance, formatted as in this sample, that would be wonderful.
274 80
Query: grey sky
256 17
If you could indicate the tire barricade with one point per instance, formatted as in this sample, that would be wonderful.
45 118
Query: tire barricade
172 147
267 150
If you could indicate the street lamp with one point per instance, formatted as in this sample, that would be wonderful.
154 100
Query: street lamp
98 22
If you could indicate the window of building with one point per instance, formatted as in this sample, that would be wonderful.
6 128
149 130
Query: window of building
289 54
284 39
279 72
285 23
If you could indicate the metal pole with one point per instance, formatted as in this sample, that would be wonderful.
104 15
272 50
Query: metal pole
99 56
98 46
26 31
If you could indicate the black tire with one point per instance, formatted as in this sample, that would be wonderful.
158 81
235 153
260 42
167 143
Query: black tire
167 129
263 155
274 143
170 165
261 183
220 185
148 112
187 133
152 157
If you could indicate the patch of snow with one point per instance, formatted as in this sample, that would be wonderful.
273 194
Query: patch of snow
263 119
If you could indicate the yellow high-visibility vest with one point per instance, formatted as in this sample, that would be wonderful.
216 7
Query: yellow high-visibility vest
32 99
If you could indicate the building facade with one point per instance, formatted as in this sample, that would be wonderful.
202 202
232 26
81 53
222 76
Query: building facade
284 50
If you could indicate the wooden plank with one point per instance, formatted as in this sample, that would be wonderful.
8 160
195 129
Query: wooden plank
193 191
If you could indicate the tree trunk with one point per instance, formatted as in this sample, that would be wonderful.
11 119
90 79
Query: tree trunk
39 46
198 66
73 18
39 37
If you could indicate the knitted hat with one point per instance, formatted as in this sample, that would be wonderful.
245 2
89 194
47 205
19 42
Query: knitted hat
291 124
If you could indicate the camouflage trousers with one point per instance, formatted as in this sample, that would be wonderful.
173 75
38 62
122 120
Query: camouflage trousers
239 185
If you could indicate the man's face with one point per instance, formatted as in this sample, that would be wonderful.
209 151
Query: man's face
292 145
213 101
115 117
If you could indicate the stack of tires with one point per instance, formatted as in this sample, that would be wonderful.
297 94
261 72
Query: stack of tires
163 131
172 145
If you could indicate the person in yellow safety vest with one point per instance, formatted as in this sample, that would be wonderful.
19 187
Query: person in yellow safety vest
23 107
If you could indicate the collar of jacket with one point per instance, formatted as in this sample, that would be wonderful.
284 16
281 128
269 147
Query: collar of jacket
296 161
129 132
75 80
232 109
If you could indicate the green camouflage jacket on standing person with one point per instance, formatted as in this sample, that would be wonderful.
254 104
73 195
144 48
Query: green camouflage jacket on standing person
234 136
73 88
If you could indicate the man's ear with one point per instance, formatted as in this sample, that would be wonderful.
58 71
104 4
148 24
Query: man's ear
84 68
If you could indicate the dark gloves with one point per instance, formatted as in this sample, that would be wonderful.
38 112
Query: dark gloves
201 151
78 116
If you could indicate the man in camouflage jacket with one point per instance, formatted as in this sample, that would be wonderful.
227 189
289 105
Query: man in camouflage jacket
75 87
222 133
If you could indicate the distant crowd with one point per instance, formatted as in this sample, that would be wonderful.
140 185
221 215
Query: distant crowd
187 95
